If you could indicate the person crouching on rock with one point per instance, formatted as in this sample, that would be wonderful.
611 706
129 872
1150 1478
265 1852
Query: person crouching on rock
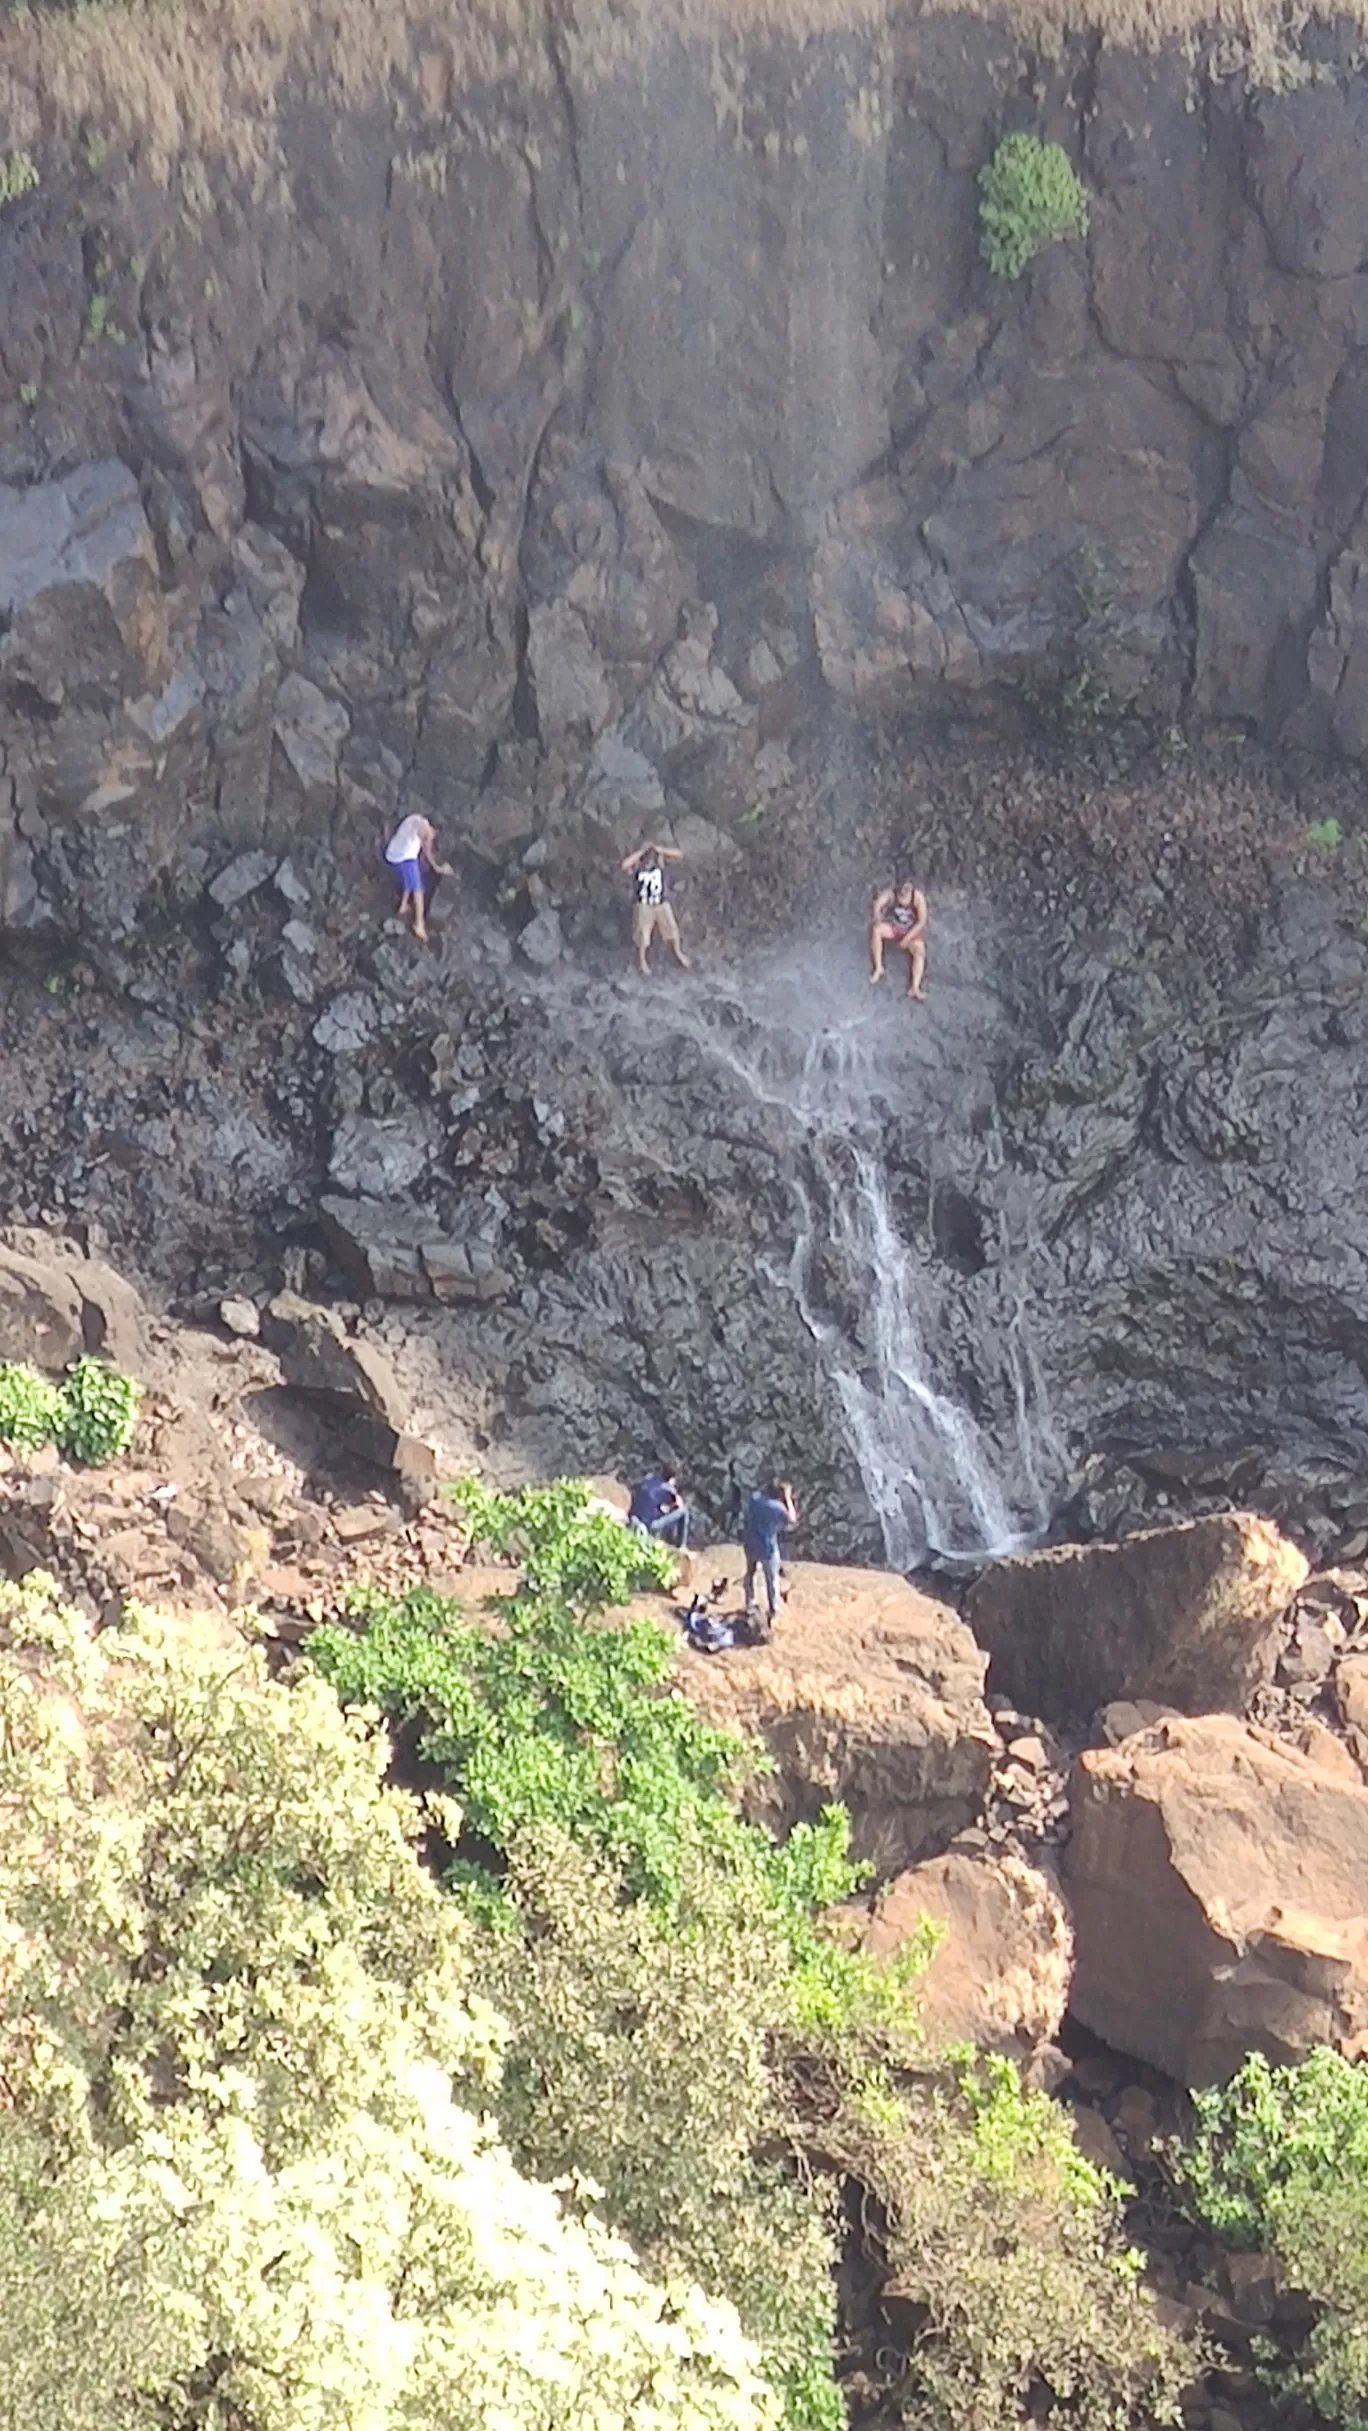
652 911
411 848
898 917
658 1509
768 1516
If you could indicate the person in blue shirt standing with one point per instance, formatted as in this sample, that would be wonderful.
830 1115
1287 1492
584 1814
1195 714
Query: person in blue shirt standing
768 1516
659 1510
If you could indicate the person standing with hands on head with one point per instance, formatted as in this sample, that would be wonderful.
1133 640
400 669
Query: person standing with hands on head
652 911
898 917
413 846
769 1515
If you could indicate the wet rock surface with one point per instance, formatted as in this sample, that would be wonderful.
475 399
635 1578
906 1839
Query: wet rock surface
521 548
635 1218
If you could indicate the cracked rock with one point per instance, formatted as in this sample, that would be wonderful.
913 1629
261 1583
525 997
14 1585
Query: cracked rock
344 1026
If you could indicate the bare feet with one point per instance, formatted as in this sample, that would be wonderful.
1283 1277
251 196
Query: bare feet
643 970
684 962
876 976
916 995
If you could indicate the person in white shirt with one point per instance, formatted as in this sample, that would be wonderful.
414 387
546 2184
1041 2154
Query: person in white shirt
413 843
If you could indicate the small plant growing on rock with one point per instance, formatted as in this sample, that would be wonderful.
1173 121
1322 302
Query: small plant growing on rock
17 177
99 1411
1029 198
91 1414
31 1409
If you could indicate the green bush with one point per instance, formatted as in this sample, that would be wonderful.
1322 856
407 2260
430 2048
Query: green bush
235 2187
688 2035
648 1944
569 1546
1010 2243
31 1409
1280 2161
642 2057
546 1720
99 1411
91 1414
1028 198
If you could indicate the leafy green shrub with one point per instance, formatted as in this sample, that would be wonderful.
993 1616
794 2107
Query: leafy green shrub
649 1943
642 2057
1280 2161
235 2188
31 1409
1008 2243
91 1414
1028 198
99 1411
568 1544
686 2032
545 1720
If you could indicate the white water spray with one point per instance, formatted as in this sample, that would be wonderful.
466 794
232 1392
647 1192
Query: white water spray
835 1070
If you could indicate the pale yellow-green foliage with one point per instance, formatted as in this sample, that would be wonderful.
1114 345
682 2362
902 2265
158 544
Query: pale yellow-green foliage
236 2191
643 2052
1011 2245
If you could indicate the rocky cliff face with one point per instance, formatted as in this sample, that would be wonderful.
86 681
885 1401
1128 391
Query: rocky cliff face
590 418
374 395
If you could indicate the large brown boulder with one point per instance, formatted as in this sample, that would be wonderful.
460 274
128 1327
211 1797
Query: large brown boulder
56 1304
1217 1887
868 1692
1001 1976
1186 1615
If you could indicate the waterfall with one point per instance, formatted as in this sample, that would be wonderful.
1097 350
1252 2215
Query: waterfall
833 1068
936 1482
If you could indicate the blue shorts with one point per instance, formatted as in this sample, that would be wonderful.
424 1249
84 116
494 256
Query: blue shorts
409 875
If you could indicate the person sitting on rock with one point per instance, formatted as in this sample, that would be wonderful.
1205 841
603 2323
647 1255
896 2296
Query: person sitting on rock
413 846
768 1516
898 917
658 1509
652 911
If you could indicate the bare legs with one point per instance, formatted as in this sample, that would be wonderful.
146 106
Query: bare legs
654 921
882 934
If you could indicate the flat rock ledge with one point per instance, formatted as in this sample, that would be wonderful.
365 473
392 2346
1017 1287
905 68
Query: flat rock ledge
868 1692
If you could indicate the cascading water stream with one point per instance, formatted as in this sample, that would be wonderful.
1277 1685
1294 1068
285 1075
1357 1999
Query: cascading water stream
935 1482
833 1071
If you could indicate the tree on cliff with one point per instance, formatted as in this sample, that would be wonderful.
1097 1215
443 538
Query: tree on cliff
686 2032
236 2192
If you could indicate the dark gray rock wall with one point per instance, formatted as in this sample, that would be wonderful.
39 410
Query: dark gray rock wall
445 372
